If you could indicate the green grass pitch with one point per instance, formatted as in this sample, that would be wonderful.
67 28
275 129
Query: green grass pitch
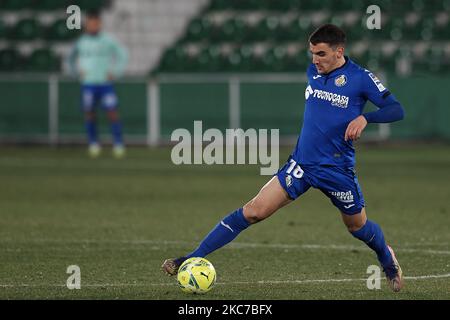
119 219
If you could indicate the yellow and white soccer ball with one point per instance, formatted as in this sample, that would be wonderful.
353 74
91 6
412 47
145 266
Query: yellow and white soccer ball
196 275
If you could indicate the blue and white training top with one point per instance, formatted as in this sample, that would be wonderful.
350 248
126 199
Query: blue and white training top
333 100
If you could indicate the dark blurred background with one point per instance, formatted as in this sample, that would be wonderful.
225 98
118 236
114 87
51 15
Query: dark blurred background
230 63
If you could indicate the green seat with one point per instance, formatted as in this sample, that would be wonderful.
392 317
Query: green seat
58 31
282 5
391 30
219 5
266 29
197 30
357 31
246 5
173 59
442 32
298 62
214 60
298 30
388 61
313 5
26 29
248 62
50 5
232 30
86 5
433 59
14 5
348 5
385 5
274 59
3 30
431 6
10 60
43 60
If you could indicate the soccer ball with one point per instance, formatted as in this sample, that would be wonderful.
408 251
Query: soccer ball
196 275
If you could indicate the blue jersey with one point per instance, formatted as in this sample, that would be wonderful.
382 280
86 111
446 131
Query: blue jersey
333 100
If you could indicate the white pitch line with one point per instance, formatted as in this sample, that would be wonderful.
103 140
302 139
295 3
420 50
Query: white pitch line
236 245
99 285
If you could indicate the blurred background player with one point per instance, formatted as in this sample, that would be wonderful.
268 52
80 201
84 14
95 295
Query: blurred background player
97 59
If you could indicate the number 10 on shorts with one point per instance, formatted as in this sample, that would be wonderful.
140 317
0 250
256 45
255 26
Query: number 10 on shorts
297 172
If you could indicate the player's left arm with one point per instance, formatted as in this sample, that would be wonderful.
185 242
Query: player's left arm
120 58
389 109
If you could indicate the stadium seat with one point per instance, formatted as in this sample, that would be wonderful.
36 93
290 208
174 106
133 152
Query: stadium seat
3 30
299 28
26 29
442 31
216 61
173 59
14 5
347 5
246 5
58 31
197 30
231 30
275 59
298 62
50 5
219 5
89 4
283 5
10 60
275 30
43 60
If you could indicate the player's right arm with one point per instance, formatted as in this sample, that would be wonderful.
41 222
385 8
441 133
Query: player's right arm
72 60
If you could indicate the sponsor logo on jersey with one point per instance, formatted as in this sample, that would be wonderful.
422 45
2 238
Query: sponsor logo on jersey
377 82
317 77
340 81
343 196
336 100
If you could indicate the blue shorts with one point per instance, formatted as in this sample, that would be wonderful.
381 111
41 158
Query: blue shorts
98 94
337 183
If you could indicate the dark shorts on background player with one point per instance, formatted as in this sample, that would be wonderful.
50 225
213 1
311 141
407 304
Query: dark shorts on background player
340 184
102 95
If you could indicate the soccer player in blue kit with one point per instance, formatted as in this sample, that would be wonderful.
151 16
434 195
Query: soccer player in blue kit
324 157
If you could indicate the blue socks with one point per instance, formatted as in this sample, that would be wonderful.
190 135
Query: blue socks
372 235
116 130
91 129
224 232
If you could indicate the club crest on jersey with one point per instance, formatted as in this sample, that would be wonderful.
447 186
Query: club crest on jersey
288 181
340 81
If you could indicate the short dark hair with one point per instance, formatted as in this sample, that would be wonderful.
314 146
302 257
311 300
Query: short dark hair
330 34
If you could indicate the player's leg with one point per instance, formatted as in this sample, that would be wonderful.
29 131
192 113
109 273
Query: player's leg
109 103
371 234
90 119
270 198
342 187
116 129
